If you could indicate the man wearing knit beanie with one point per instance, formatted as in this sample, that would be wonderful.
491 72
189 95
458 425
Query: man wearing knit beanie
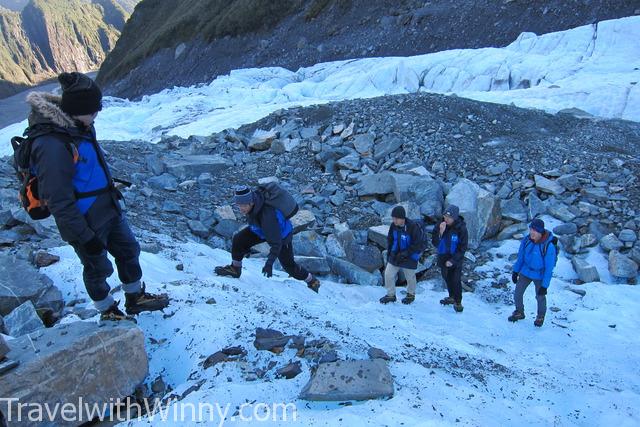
76 187
268 222
450 237
537 258
405 242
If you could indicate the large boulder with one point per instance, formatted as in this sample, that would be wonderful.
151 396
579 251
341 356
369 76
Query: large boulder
96 364
378 184
378 235
20 282
350 380
622 266
314 265
302 220
548 186
480 209
367 257
309 243
352 273
387 145
514 209
193 166
23 320
424 191
586 272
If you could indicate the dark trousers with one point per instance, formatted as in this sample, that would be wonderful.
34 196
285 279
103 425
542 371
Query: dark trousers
120 242
453 278
518 295
245 239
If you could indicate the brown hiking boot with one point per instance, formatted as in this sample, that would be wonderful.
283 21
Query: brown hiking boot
228 270
539 321
387 299
314 285
143 301
408 299
114 314
515 316
458 307
447 301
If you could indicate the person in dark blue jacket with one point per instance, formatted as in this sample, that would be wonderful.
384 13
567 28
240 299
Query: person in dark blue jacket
404 247
535 263
266 224
75 183
451 239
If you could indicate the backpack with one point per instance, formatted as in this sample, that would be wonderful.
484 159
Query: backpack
279 198
544 248
554 242
28 193
424 235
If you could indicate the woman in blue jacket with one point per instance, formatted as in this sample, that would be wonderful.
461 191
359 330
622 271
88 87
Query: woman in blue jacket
535 263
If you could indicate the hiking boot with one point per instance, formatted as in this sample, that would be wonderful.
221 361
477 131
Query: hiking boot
114 314
447 301
517 315
408 299
314 285
387 299
458 307
539 321
228 270
143 301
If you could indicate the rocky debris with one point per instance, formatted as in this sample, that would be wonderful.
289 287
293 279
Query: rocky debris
23 320
622 266
230 354
549 186
628 237
563 229
350 380
376 353
611 243
352 273
302 220
45 259
261 139
289 371
480 209
586 273
109 358
193 166
21 282
270 340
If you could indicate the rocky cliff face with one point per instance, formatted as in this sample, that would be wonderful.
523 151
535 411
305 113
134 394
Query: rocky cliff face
192 42
44 37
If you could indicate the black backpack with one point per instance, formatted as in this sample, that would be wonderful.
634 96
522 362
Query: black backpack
279 198
545 248
425 241
28 193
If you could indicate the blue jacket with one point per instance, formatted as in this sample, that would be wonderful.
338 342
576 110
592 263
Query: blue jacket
271 225
61 178
407 239
530 262
453 243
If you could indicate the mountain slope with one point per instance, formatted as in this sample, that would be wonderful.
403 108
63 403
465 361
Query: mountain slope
49 36
193 41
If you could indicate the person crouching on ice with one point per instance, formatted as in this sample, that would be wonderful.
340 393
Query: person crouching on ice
266 224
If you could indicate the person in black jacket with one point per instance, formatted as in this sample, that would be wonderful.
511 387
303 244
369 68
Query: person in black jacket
404 247
266 224
451 239
76 185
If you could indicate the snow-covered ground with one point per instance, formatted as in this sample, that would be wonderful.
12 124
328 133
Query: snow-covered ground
595 68
580 368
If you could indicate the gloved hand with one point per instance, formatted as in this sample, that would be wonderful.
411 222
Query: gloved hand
514 277
94 246
402 256
542 291
267 270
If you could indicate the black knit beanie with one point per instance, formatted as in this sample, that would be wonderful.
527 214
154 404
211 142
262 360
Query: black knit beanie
399 212
80 94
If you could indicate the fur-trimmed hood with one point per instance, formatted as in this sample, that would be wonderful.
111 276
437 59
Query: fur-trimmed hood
45 108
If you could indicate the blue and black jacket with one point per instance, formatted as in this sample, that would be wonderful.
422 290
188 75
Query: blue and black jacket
269 224
406 240
69 162
532 263
452 244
